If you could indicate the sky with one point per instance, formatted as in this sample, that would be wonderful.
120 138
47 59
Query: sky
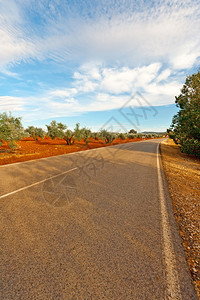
114 64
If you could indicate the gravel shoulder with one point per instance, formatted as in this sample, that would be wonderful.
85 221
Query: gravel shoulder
183 177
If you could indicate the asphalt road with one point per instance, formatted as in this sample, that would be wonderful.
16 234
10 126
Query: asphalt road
96 224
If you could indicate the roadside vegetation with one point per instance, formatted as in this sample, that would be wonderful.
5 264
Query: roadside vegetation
183 175
11 131
21 144
182 170
185 127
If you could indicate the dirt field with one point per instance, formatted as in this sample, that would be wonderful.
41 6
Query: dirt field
30 149
183 176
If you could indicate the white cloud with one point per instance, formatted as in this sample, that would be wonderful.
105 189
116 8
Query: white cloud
118 81
163 75
185 60
167 89
63 93
8 103
12 49
109 31
115 80
163 32
7 72
113 89
113 48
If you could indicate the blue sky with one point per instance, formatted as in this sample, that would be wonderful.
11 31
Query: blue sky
86 61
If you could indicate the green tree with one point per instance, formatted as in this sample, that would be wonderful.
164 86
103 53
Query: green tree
77 132
56 130
11 129
107 136
133 131
35 132
122 136
185 128
131 135
95 135
69 137
86 134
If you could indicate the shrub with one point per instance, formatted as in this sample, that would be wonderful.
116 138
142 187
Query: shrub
95 135
122 136
190 146
107 136
35 132
131 135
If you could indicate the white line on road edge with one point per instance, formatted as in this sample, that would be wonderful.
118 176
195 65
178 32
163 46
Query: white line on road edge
172 281
28 186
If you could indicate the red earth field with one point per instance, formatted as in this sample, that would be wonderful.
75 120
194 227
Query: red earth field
29 149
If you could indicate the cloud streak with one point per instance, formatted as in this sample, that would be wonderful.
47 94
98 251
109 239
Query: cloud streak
95 54
108 31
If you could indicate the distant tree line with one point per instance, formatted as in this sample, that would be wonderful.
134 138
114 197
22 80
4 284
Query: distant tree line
11 130
185 127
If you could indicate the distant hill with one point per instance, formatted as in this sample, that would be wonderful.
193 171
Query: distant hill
154 132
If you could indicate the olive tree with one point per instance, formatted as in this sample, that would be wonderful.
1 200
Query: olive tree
107 136
35 132
56 130
69 137
86 134
11 129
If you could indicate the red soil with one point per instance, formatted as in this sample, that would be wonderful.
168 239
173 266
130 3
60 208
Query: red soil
29 149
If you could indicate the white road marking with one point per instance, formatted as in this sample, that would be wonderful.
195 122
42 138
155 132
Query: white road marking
172 281
36 183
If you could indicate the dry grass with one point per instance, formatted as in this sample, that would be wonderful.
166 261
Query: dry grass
183 176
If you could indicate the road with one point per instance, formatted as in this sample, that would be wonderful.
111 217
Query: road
96 224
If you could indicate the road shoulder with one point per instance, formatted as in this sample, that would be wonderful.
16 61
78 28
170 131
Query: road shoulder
182 174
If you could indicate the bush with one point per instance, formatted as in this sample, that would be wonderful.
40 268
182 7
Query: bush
35 132
131 136
107 136
12 145
95 135
122 136
190 146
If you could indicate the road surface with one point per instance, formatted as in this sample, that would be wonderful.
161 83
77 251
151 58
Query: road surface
96 224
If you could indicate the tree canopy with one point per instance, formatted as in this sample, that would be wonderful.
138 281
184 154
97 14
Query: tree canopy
11 129
35 132
56 130
186 123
